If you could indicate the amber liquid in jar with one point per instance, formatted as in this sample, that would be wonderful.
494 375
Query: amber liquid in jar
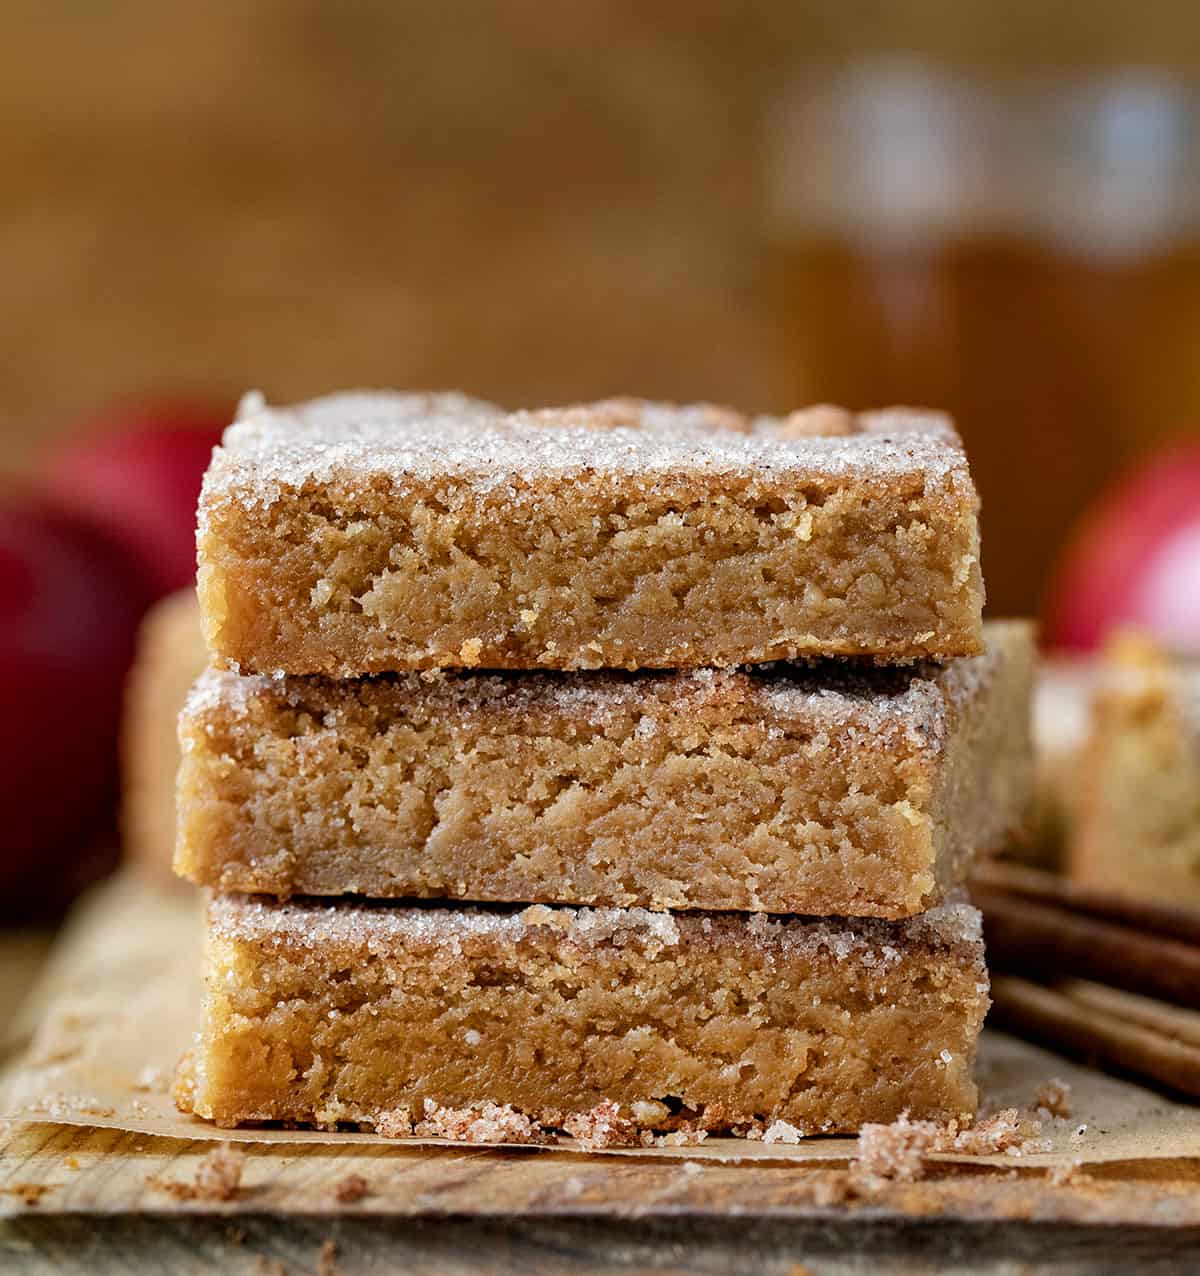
1058 371
1060 324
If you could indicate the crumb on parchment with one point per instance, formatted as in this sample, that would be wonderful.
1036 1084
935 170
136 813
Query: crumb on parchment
897 1152
218 1177
603 1127
352 1188
1053 1098
782 1132
482 1123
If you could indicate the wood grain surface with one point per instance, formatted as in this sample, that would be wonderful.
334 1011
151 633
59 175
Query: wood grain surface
77 1199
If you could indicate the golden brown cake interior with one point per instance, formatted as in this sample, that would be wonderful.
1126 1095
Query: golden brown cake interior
386 1015
817 790
365 533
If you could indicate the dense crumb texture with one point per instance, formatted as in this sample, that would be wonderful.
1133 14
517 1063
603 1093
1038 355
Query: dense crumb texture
364 533
170 657
779 788
1138 813
501 1024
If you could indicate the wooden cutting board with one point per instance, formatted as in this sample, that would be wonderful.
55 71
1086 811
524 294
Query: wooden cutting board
83 1199
87 1199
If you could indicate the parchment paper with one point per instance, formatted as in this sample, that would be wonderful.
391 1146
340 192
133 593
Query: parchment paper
119 1002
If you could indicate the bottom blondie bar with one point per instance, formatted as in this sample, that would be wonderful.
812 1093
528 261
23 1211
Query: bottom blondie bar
399 1017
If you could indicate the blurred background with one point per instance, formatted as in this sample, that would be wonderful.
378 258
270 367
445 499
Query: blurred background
993 209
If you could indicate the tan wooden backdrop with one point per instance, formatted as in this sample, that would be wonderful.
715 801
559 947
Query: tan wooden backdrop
533 202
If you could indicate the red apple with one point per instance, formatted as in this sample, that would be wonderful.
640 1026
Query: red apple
134 473
69 608
1135 559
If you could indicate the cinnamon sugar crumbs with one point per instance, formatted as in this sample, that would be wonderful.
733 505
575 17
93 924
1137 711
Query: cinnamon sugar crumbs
687 1135
782 1132
218 1177
603 1127
482 1123
397 1124
1003 1131
352 1189
62 1106
1053 1099
751 1130
897 1152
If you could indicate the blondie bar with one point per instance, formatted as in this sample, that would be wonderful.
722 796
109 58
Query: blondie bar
818 790
365 533
1137 815
396 1016
170 657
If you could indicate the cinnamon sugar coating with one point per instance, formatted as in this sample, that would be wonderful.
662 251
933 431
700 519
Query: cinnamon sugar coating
394 1016
363 533
822 790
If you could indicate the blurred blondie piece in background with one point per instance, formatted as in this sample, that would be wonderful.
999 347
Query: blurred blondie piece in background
1136 822
170 657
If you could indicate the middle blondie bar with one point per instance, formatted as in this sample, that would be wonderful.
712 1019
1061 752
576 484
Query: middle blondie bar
816 790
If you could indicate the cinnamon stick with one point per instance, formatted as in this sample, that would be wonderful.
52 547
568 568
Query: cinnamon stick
1168 1021
1049 941
1147 915
1032 1010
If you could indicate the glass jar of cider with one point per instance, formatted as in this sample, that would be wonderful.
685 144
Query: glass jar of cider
1022 252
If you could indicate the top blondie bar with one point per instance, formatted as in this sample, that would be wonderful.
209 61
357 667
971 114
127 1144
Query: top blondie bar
367 533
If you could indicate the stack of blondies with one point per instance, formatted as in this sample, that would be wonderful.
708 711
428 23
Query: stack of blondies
612 769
